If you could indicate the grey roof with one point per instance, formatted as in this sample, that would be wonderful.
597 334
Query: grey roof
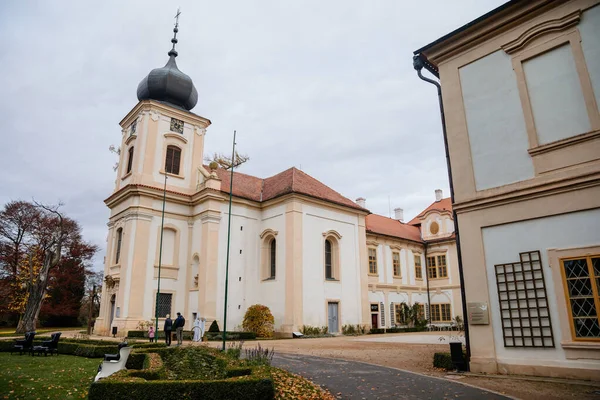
169 85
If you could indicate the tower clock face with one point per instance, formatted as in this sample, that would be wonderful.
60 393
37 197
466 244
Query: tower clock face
176 125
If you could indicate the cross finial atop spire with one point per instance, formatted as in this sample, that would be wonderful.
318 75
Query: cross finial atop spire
173 52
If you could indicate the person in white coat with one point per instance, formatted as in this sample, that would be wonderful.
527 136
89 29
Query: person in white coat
196 329
202 327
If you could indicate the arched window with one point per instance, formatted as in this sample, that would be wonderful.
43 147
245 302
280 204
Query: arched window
130 160
172 160
118 249
328 266
332 258
272 258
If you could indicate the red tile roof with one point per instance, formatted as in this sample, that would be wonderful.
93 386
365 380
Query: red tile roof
442 205
391 227
291 180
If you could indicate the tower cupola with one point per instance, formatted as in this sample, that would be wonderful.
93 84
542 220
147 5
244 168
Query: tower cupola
168 84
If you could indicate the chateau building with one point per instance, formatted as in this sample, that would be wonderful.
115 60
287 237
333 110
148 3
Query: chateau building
521 93
310 254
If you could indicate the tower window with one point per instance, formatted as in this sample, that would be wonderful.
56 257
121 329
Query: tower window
119 240
272 258
328 271
172 160
130 160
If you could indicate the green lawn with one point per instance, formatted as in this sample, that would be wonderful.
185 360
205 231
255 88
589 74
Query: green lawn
56 377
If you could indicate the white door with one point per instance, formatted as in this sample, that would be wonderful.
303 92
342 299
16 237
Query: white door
332 311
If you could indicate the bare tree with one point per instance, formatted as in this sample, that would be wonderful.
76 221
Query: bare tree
225 162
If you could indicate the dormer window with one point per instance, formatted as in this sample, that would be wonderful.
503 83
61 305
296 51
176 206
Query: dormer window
176 125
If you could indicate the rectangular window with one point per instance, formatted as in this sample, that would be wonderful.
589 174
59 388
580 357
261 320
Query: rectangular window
172 160
431 268
400 317
582 287
418 268
164 304
422 314
442 269
440 313
130 159
373 261
396 264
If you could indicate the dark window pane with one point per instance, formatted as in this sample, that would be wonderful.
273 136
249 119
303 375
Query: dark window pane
119 239
273 259
328 272
172 160
576 268
164 304
130 160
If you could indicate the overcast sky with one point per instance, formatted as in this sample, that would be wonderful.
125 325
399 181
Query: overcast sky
326 86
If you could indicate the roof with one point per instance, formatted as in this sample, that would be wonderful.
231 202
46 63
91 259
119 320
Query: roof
390 227
468 25
442 205
291 180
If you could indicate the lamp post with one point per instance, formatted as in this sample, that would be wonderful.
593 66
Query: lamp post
228 242
162 224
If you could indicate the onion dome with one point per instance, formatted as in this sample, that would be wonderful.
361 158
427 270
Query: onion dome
168 84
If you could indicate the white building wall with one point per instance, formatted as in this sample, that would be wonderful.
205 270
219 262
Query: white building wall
503 244
495 121
589 28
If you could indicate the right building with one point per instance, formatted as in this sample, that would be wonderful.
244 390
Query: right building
521 93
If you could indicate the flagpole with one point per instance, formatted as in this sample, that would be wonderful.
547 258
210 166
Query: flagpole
162 224
228 242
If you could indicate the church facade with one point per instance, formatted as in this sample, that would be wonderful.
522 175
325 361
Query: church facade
310 254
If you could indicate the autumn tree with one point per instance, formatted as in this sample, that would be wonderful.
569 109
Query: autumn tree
34 240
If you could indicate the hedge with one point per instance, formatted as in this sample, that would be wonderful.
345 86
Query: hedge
187 335
444 360
231 336
396 330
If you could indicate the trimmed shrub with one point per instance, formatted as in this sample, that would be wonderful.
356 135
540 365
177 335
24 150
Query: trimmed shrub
377 330
214 327
194 363
137 334
187 335
230 336
258 319
443 360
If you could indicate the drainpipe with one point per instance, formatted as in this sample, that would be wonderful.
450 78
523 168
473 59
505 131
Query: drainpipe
427 280
418 64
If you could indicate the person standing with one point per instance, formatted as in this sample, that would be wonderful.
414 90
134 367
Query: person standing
168 328
179 324
202 327
151 333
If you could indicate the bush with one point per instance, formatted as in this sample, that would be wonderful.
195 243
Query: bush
259 356
194 363
214 327
354 329
443 360
259 320
308 330
231 336
377 330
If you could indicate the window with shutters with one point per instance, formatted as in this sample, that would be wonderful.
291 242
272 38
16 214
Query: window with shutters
382 308
172 160
418 267
130 159
396 264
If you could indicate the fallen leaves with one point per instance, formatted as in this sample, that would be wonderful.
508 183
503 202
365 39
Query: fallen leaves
289 386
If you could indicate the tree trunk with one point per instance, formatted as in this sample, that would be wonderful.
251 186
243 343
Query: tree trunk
37 288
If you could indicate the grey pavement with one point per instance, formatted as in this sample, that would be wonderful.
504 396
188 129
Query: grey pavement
356 380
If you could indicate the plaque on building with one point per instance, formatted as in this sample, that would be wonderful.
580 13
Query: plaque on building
374 307
478 313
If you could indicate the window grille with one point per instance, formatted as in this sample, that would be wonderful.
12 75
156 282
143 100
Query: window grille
164 304
382 308
523 302
582 284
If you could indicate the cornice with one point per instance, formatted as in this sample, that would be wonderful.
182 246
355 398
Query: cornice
268 231
176 136
332 233
210 216
152 105
552 25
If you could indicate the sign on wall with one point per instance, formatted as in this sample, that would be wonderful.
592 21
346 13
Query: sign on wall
374 307
478 313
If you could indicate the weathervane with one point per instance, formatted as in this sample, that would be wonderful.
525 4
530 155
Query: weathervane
173 52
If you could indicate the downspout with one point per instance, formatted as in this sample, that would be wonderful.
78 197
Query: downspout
427 280
418 64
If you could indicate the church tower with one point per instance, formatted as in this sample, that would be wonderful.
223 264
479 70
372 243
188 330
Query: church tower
160 159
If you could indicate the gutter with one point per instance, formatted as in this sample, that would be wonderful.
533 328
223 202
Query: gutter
419 62
427 280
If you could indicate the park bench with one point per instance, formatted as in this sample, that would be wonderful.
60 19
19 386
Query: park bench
23 345
109 367
47 346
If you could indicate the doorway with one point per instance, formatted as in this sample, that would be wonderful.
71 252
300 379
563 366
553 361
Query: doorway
374 321
332 312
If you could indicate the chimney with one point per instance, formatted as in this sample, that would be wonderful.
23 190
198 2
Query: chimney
361 201
399 214
438 194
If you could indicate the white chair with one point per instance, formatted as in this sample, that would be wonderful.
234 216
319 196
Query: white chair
107 368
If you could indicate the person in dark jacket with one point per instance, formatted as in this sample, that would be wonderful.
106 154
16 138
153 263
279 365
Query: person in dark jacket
168 328
179 323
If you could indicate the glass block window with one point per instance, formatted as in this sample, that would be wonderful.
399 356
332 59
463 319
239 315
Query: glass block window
523 302
164 304
582 287
396 264
373 261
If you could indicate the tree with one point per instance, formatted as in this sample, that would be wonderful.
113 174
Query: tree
225 162
34 240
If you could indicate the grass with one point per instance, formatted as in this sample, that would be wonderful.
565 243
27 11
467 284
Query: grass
56 377
9 332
